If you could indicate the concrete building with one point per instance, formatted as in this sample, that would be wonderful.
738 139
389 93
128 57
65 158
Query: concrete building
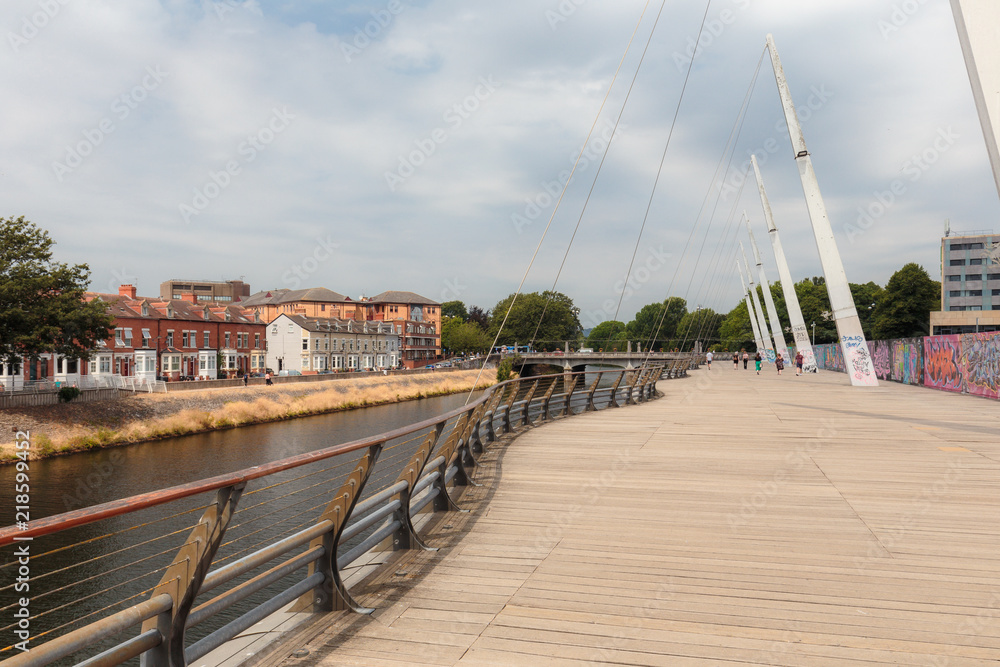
229 291
313 345
970 284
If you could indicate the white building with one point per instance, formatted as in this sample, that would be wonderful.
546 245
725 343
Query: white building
311 345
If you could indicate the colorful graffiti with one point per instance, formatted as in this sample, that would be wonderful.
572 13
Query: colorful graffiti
943 367
981 358
881 358
967 363
907 360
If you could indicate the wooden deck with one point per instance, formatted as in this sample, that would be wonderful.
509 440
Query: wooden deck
741 519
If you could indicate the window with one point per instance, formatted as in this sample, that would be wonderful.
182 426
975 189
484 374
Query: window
291 328
975 308
205 340
128 337
305 344
953 308
256 341
993 276
975 292
954 279
973 279
976 262
322 307
228 339
170 339
145 337
974 246
996 292
274 330
957 262
184 339
955 293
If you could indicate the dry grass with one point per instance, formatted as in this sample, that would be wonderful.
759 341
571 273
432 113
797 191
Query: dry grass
237 407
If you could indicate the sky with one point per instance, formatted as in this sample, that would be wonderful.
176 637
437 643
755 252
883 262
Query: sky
422 145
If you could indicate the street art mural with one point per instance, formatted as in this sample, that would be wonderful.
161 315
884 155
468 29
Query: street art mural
981 361
907 360
966 363
943 367
881 351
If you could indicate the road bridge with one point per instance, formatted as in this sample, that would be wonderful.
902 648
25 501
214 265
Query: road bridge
816 524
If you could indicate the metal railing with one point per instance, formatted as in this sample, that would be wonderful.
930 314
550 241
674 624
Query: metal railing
173 574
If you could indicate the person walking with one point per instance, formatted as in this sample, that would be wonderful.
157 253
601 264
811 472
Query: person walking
779 363
708 360
798 363
736 360
246 378
746 359
756 361
267 379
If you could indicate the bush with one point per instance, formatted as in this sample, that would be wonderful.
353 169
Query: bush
67 394
504 370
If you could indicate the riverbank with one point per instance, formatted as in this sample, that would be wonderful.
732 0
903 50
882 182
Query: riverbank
68 427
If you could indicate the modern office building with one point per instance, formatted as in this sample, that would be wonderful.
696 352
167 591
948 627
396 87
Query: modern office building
970 284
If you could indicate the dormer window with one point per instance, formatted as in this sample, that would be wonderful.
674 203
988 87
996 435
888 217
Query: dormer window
145 310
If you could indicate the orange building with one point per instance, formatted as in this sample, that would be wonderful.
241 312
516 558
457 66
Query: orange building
418 323
312 302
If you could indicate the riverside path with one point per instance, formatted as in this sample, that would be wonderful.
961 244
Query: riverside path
741 519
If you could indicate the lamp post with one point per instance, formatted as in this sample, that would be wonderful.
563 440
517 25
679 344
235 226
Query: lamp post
814 334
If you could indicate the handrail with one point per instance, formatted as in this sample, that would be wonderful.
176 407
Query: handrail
439 450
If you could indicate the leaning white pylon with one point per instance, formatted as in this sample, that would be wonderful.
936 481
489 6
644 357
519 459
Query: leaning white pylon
795 318
852 339
772 312
761 322
753 316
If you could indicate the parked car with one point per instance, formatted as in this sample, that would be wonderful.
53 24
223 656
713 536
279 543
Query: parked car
430 367
288 371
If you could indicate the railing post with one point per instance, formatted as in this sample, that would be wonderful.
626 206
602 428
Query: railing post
507 426
569 396
614 391
184 576
524 419
407 534
332 594
547 400
591 407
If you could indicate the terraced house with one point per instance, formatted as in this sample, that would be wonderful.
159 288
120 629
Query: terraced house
311 345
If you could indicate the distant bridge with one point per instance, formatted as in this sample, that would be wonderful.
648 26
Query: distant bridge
578 361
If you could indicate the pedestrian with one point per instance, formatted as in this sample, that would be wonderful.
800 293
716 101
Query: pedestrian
708 360
746 359
246 378
779 363
736 360
798 363
267 379
756 361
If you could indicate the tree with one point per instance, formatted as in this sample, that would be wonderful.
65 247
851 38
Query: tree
815 304
904 310
454 309
560 322
460 337
866 300
604 333
652 327
736 332
479 316
702 324
42 306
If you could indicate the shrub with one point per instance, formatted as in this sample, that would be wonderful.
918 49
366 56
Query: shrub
504 370
67 394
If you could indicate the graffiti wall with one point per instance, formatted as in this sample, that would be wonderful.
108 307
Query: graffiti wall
943 367
981 361
967 363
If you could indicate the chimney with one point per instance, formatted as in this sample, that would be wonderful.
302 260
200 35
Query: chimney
189 297
127 291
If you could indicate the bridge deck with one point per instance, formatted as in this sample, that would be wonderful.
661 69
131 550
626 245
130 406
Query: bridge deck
742 519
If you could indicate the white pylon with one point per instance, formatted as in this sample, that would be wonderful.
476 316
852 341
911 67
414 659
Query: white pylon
761 322
857 359
753 316
799 331
772 311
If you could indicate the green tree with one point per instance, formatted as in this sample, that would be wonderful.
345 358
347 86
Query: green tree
468 337
656 323
449 329
560 322
866 300
42 306
454 309
703 325
736 332
815 304
904 310
604 333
